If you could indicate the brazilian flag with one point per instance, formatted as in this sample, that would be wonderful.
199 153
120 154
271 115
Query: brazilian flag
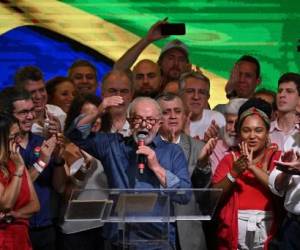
52 34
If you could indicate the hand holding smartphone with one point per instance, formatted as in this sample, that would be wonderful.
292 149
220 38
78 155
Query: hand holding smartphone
168 29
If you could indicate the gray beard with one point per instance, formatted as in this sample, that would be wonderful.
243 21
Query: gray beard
148 139
231 141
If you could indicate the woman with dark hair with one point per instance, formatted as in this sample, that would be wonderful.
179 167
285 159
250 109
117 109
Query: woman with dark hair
18 200
247 210
61 92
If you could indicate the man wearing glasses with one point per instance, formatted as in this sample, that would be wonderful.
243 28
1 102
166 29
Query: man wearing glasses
166 165
194 89
30 78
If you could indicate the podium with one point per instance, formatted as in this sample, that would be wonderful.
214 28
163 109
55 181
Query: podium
142 218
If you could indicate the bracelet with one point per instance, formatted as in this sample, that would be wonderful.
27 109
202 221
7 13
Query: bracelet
38 167
42 163
230 177
233 174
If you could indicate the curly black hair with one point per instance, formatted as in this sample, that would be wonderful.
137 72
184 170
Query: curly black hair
258 104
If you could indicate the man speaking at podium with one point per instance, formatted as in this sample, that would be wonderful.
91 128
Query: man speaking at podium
165 165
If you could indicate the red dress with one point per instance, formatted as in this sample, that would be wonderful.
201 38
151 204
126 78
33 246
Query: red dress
227 231
15 236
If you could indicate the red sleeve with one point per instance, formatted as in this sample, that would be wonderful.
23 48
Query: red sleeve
275 157
222 169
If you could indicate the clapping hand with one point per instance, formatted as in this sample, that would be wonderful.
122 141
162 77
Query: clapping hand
289 163
240 165
247 152
47 149
54 126
187 124
234 78
212 131
245 161
207 150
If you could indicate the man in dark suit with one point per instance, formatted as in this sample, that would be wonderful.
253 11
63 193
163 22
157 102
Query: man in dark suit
190 233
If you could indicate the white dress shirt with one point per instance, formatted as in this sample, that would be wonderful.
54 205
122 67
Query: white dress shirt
292 193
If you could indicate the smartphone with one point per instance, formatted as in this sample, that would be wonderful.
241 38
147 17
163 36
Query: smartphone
172 29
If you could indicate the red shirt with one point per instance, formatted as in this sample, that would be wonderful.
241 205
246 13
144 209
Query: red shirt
15 235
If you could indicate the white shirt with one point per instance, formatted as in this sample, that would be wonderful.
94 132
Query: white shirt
278 136
176 142
292 193
198 128
125 130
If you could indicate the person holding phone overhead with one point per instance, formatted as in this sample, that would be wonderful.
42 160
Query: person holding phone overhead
174 57
18 199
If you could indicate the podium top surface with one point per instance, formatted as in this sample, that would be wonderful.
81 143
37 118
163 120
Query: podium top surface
142 205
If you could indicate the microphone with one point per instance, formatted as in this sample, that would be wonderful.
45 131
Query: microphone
141 158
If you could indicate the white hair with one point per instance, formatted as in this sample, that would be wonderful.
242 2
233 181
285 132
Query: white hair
132 105
233 106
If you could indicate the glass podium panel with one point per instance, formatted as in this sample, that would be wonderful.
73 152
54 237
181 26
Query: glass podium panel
201 205
142 218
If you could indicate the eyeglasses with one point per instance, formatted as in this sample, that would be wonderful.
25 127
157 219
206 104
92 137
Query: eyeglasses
25 112
139 120
191 91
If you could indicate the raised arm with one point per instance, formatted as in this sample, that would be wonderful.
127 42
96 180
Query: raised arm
90 117
127 60
201 176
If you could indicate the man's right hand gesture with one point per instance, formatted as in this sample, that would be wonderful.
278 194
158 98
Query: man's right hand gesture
290 162
154 32
234 78
110 101
47 149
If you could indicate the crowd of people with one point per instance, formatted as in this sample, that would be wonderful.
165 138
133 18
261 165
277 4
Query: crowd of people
57 136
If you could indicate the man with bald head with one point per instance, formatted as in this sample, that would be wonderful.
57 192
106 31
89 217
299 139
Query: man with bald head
147 78
165 167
